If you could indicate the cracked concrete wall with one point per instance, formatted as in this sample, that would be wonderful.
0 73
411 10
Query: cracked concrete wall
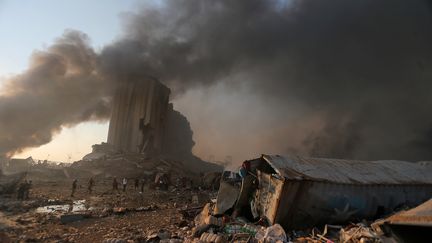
138 116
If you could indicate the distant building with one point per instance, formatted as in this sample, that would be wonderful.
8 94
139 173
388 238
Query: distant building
19 165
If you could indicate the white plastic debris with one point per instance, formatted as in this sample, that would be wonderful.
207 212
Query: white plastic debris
272 234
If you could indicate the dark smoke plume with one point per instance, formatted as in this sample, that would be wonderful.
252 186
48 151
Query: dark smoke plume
363 67
60 88
337 78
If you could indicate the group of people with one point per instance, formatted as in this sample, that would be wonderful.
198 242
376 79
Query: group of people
115 185
90 186
24 189
125 183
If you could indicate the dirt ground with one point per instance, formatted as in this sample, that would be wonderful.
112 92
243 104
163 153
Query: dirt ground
128 216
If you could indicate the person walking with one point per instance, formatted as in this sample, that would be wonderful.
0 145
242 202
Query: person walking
115 184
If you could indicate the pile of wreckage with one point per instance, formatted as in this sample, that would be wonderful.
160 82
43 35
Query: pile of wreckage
291 199
282 199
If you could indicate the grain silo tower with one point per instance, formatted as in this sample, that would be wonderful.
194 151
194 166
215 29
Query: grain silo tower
138 116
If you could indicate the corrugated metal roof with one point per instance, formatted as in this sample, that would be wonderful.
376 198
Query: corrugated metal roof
351 171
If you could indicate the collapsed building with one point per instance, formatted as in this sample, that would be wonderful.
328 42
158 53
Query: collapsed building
299 192
144 122
146 136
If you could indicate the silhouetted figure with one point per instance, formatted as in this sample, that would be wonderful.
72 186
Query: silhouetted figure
142 184
74 187
20 191
136 185
124 183
28 186
115 184
161 181
90 185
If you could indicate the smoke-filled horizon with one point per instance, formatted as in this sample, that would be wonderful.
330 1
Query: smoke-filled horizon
344 79
61 88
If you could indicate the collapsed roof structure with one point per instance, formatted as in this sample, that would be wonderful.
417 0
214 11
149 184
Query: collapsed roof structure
300 192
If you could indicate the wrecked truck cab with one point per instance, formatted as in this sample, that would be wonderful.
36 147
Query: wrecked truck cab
299 192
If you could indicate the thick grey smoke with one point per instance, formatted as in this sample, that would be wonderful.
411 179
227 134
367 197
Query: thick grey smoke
60 88
337 78
362 68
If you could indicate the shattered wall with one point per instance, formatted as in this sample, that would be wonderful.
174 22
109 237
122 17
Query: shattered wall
178 135
138 116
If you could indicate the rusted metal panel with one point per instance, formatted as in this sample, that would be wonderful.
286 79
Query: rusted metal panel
288 201
227 196
351 171
413 225
418 216
267 195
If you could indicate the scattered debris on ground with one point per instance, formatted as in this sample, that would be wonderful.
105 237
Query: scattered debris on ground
163 202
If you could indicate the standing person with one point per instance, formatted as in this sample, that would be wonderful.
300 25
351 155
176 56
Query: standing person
90 185
124 182
136 183
21 188
74 187
28 186
115 184
143 180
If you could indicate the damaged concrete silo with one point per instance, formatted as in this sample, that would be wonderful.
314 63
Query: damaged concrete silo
138 116
143 121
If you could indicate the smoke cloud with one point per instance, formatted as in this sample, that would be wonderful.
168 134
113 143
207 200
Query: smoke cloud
345 79
60 88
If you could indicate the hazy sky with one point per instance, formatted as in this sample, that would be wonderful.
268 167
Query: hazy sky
29 25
